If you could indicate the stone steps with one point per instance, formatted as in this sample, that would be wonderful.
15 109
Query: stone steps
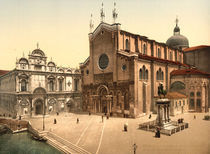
59 146
65 144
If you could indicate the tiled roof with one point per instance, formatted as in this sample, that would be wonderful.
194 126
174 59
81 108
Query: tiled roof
190 72
173 95
146 57
2 72
196 48
161 60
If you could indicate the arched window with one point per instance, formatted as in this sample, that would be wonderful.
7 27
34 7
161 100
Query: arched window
140 74
143 74
157 75
180 58
60 85
192 94
198 94
175 55
76 82
171 56
159 53
51 85
144 49
162 77
23 85
146 75
127 46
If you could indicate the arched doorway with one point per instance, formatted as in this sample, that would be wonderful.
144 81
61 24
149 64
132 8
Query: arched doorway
104 103
38 106
70 105
39 96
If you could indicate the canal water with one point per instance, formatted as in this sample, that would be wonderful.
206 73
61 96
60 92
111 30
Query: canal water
22 143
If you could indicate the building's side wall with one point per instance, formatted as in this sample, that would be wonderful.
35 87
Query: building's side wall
199 59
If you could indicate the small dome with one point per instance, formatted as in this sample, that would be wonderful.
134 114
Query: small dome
178 41
176 29
38 52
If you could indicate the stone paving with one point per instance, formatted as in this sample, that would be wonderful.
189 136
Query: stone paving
109 138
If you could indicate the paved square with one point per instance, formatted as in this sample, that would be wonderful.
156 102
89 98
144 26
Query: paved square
109 138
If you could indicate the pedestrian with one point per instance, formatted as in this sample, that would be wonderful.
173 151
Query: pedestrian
77 120
102 117
150 116
194 117
126 127
89 113
55 121
57 113
157 133
107 117
19 117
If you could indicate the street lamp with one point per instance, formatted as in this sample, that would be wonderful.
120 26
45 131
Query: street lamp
43 115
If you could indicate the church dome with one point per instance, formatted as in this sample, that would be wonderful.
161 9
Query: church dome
177 40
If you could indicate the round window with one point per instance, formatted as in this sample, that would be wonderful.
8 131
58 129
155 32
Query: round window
124 67
103 61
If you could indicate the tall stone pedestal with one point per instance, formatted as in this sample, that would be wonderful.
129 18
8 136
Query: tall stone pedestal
162 112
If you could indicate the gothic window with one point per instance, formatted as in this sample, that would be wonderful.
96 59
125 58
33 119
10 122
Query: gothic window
76 82
175 55
171 56
159 53
23 85
146 75
198 102
51 85
143 74
183 102
180 58
162 76
159 74
127 46
144 49
192 94
140 74
198 94
191 104
60 85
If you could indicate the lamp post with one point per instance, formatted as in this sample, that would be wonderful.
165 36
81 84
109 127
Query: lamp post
43 115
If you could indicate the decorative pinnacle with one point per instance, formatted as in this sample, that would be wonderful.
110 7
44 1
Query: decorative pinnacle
102 13
91 24
114 13
37 45
177 20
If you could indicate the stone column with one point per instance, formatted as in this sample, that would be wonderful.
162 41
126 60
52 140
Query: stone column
165 113
168 113
158 112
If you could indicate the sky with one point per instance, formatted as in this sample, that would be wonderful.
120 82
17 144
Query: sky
61 27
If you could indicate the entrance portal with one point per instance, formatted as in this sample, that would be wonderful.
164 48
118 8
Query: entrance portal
39 107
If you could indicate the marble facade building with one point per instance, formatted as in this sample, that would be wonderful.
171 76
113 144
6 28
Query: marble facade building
37 86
